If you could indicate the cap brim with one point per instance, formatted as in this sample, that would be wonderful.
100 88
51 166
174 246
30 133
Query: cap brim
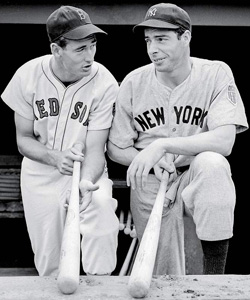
82 32
155 24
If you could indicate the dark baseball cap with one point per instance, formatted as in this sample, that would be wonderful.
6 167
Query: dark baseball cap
165 15
70 22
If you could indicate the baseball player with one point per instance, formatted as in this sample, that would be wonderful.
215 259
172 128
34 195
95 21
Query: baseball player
60 100
181 114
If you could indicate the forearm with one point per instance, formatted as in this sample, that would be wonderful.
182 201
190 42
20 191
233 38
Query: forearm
121 156
93 166
29 147
220 140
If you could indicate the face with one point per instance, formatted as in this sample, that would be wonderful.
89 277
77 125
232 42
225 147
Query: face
77 57
165 50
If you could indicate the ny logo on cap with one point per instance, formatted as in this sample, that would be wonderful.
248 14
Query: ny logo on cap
81 14
152 12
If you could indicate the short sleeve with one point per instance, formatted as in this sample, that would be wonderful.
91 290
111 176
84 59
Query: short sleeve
227 106
123 132
13 96
101 114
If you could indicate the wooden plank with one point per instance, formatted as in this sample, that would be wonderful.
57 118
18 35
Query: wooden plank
219 287
11 160
11 215
18 272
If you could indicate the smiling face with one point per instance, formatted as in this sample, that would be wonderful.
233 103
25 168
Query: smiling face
167 52
74 61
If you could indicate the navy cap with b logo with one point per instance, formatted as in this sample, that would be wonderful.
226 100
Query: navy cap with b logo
70 22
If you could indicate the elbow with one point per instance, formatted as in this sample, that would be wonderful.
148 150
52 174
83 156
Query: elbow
111 152
20 148
227 148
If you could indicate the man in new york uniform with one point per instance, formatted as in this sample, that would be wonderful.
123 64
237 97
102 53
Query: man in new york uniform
181 114
59 100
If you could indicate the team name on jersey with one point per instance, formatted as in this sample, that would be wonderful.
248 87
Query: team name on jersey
79 111
183 114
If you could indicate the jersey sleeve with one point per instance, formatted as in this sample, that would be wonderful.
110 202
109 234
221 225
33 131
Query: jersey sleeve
13 96
123 132
227 107
101 113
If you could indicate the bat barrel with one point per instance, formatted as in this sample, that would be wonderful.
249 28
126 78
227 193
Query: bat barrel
141 275
68 278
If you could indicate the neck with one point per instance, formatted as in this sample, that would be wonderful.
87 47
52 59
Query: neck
175 77
60 72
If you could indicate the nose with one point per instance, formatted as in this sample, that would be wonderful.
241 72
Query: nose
152 48
89 55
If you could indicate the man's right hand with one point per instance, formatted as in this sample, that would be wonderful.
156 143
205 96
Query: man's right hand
64 160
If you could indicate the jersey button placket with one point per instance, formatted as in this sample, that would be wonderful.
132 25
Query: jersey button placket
171 114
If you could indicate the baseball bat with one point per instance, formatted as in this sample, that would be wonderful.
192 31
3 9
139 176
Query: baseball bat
121 220
127 260
141 274
127 228
69 268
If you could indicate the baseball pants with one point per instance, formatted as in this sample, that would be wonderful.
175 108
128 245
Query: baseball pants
44 193
206 192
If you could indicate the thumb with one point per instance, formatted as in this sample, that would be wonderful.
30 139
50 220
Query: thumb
93 187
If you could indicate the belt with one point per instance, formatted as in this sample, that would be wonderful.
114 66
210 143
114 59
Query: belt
179 170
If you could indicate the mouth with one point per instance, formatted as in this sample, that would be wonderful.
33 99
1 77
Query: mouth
86 67
158 60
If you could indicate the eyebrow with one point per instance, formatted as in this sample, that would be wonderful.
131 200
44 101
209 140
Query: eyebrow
84 46
158 35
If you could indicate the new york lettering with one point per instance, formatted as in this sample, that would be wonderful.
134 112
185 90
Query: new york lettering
184 114
79 110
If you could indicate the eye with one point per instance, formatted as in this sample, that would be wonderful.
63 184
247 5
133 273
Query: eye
80 49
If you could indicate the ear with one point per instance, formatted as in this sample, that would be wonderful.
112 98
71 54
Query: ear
55 49
187 36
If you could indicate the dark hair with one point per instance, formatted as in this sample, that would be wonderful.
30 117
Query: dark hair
61 42
179 31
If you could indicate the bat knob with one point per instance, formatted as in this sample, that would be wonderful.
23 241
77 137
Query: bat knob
67 285
121 226
138 289
127 230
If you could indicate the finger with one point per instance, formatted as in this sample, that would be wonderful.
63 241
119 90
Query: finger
85 203
138 177
130 176
145 176
75 151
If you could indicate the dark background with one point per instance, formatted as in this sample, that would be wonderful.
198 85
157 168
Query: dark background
122 51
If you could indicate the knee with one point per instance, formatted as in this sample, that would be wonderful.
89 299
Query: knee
211 162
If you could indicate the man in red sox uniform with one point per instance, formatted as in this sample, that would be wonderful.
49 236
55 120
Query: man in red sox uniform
188 110
59 100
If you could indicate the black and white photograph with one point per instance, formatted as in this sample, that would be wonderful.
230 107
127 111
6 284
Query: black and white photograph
124 143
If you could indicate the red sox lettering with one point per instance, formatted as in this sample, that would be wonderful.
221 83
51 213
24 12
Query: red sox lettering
79 112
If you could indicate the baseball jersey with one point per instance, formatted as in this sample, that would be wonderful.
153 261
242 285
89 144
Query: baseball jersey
62 115
147 110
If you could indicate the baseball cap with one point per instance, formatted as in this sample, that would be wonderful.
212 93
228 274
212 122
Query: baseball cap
165 15
70 22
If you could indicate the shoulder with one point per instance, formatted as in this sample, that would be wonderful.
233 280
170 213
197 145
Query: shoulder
103 72
211 65
33 66
139 75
